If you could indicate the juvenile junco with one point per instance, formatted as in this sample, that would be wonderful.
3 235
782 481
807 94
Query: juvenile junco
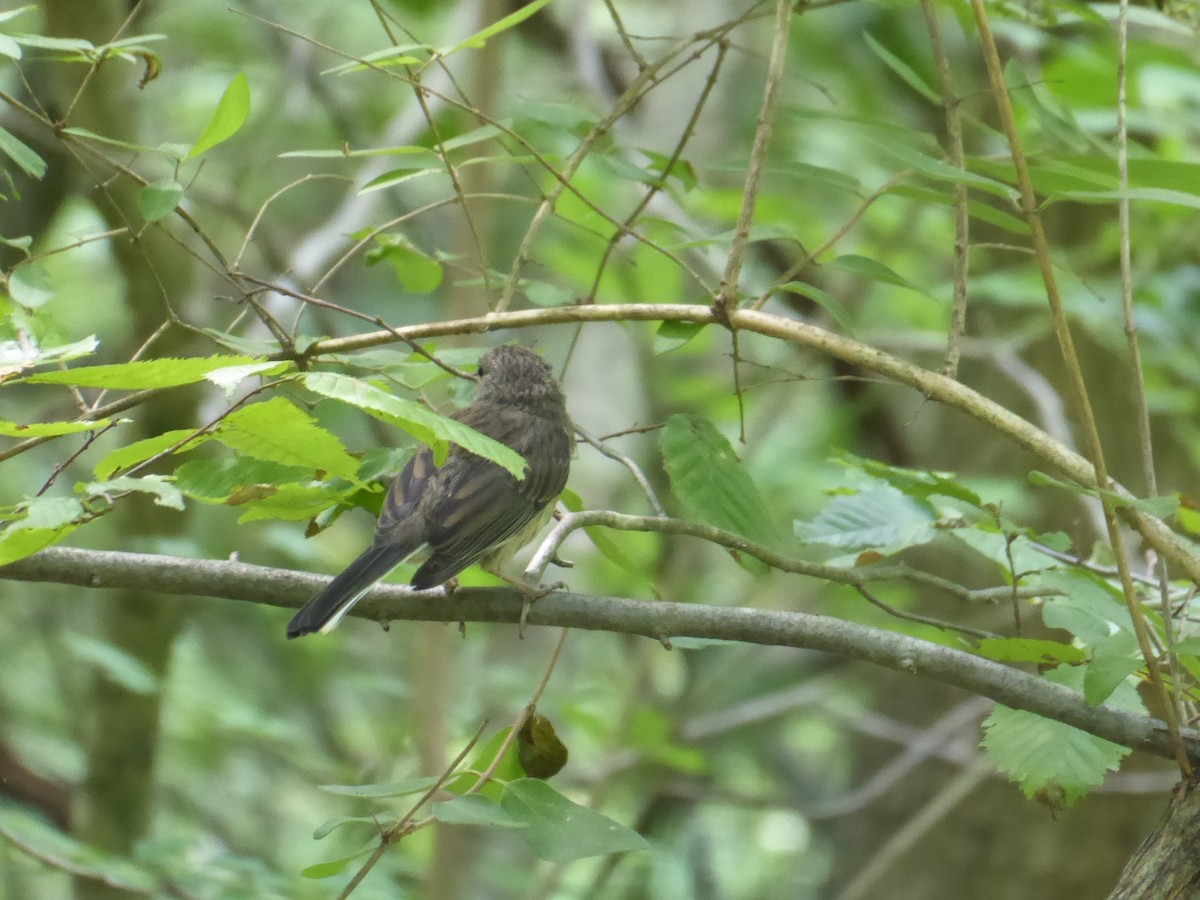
468 510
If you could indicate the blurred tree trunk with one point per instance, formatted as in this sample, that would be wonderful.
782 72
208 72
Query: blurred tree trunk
114 808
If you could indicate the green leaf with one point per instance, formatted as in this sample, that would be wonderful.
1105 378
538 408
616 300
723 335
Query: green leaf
29 161
49 512
38 839
50 429
415 270
423 424
16 357
543 294
165 493
229 116
1040 753
329 826
559 830
823 299
1155 506
879 518
17 542
159 199
277 431
1089 608
479 38
941 171
142 374
119 666
673 335
709 479
1113 661
291 502
332 867
1151 195
919 483
29 285
870 268
140 451
379 791
906 72
215 480
1032 650
473 809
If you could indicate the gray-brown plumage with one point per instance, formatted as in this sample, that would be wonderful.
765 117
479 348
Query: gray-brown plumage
468 510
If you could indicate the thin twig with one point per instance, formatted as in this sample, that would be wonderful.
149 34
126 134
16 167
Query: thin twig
727 299
962 221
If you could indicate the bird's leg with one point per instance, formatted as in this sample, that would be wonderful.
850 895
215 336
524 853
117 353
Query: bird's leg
530 593
451 588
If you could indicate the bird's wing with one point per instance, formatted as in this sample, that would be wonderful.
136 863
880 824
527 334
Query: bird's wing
478 506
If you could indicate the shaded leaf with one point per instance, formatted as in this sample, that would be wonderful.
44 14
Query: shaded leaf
473 809
711 483
559 830
879 517
159 199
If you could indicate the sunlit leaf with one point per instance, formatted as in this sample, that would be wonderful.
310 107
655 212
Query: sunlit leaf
143 373
227 119
278 431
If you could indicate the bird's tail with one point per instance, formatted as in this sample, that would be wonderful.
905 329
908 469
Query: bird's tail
324 611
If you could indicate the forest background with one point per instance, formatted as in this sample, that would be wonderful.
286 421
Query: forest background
858 307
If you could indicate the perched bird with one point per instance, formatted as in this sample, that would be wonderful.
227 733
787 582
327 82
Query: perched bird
469 509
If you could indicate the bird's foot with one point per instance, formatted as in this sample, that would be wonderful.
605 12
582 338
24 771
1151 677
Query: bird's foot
530 593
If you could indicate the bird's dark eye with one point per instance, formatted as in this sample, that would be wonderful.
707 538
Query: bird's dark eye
483 369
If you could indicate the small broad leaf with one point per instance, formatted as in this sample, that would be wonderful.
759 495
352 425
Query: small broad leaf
50 512
17 542
423 424
165 493
140 451
415 270
709 479
1113 661
473 809
216 480
1041 754
673 335
142 374
559 830
29 284
277 431
229 116
1089 608
880 518
332 867
159 199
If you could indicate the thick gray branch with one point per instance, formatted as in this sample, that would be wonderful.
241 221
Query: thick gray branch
658 620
